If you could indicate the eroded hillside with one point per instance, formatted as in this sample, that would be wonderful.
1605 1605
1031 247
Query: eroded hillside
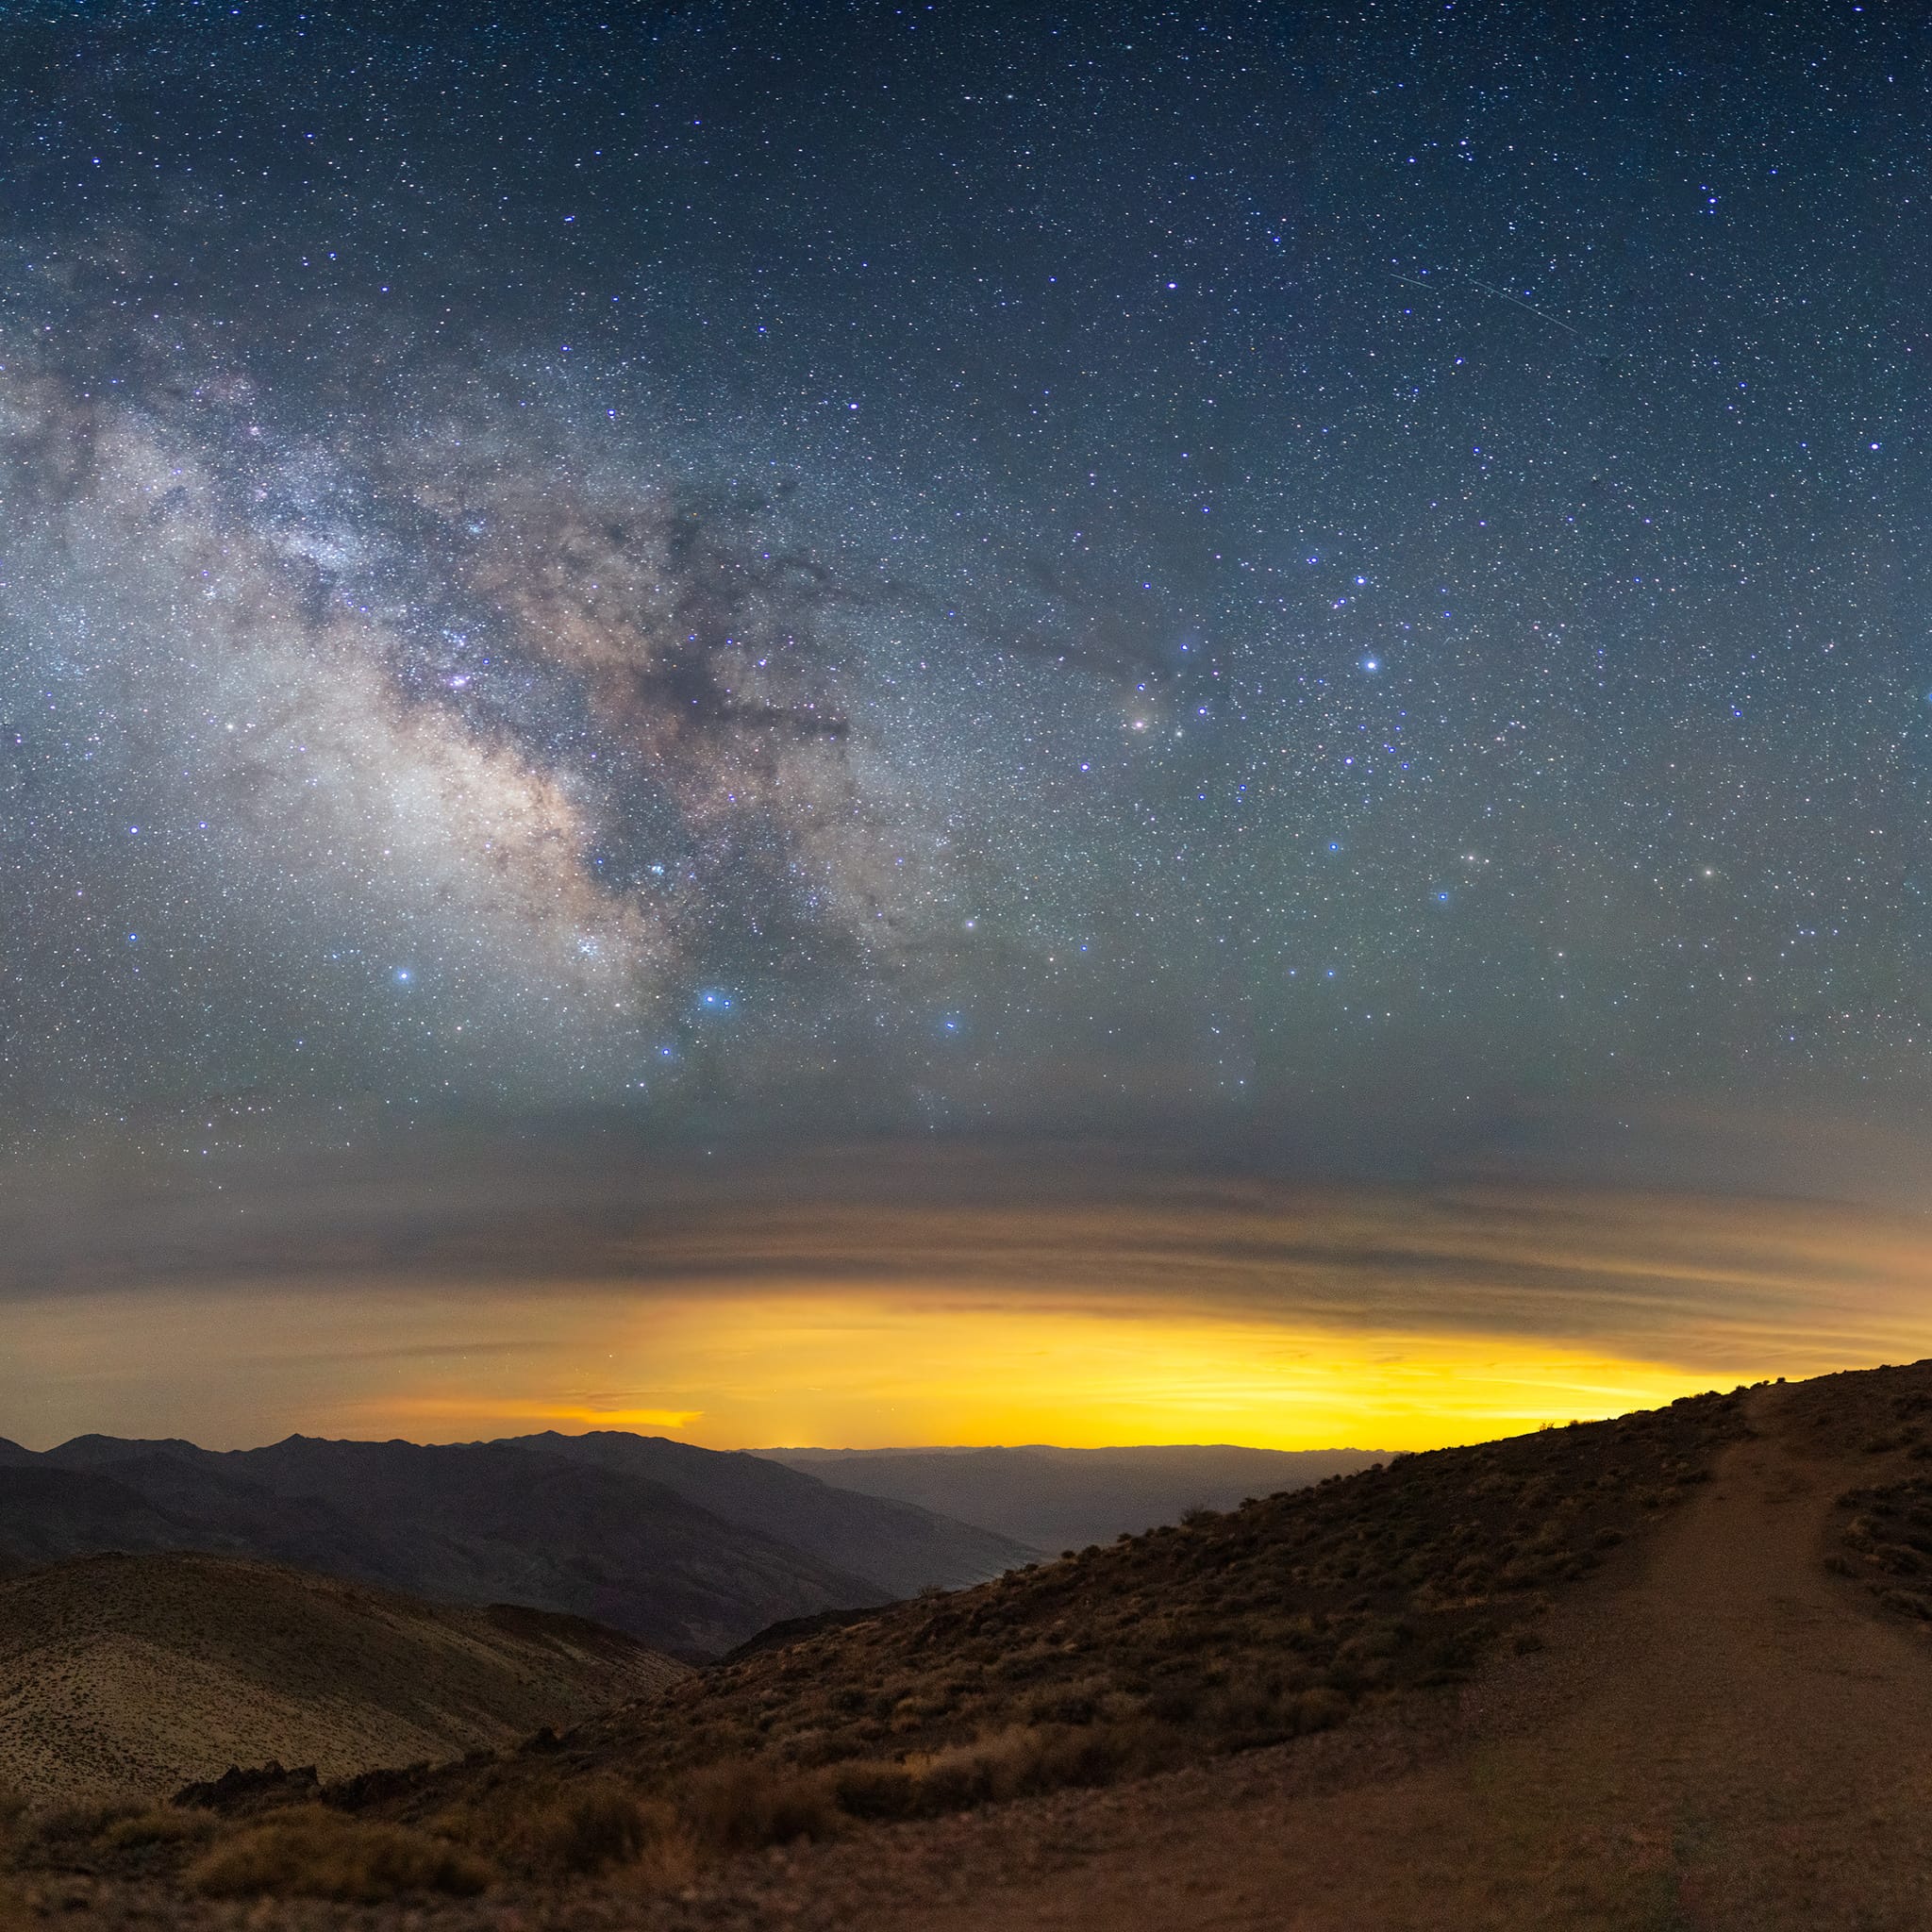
131 1675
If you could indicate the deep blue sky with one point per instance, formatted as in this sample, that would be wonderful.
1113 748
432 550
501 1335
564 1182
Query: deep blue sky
961 566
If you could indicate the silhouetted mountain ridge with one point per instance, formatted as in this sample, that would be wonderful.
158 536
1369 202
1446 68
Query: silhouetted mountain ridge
902 1544
693 1565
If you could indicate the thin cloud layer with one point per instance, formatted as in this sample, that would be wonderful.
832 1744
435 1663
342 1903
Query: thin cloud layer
468 1286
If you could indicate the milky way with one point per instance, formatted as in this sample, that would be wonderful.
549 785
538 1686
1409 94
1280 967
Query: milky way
443 708
959 565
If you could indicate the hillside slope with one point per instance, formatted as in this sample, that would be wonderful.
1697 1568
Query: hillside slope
476 1523
1232 1631
135 1675
1672 1670
1738 1738
489 1521
131 1497
1060 1499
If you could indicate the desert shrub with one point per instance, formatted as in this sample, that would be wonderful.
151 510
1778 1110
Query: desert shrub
745 1806
1453 1653
13 1815
1175 1703
670 1860
971 1775
1075 1703
1058 1759
160 1824
585 1828
1888 1533
1017 1762
560 1828
311 1852
60 1830
1383 1638
1907 1601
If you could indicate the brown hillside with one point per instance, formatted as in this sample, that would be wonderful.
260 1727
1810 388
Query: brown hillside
134 1674
1669 1671
1224 1634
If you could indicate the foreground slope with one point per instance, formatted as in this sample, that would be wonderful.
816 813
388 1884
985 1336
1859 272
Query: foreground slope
1228 1632
1281 1619
132 1674
1736 1739
1672 1672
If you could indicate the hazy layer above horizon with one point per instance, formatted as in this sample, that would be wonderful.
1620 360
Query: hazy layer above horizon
963 1294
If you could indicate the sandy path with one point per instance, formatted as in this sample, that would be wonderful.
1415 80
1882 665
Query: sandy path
1730 1739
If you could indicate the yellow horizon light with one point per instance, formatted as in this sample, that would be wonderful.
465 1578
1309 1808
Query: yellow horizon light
875 1370
531 1408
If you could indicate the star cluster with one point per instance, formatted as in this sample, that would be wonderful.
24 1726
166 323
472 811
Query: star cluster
959 564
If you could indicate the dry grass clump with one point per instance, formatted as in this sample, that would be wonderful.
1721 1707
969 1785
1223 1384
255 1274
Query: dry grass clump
580 1828
62 1834
587 1828
1888 1543
1020 1761
160 1824
312 1852
742 1806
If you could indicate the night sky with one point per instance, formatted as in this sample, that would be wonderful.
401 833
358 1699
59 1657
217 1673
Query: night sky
1257 590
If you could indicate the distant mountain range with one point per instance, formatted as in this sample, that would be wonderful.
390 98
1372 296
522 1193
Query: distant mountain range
1057 1499
690 1550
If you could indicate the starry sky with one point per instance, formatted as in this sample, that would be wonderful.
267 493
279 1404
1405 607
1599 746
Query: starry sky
620 597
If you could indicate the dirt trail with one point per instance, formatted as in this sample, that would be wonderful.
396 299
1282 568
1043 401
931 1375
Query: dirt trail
1732 1739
